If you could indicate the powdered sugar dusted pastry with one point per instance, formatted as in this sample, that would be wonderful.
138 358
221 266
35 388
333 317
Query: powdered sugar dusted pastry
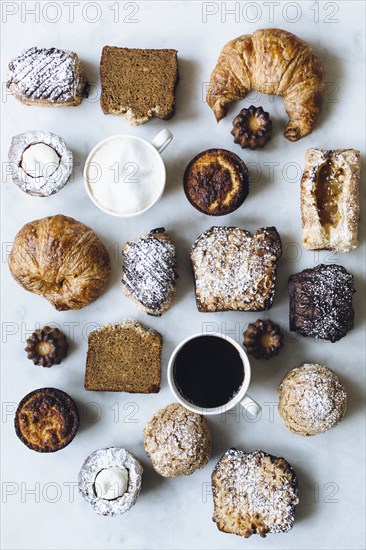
235 269
40 162
178 441
321 302
254 493
53 77
312 399
330 205
149 271
110 480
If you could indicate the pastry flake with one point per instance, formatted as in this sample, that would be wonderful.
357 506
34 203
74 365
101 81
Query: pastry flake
271 61
330 207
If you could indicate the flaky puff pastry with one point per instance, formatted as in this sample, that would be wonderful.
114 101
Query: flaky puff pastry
330 207
271 61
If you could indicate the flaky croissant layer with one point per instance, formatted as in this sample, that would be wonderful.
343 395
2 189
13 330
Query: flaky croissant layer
271 61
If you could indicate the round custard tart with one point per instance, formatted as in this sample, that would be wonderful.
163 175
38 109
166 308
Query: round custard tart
216 182
40 162
110 480
46 420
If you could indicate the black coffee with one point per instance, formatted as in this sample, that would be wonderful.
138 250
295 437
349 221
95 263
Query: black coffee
208 371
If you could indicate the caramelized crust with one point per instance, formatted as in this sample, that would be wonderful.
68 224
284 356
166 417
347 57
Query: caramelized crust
271 61
216 182
61 259
330 206
46 420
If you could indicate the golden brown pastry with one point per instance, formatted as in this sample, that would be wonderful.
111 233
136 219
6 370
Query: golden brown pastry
271 61
61 259
330 204
46 420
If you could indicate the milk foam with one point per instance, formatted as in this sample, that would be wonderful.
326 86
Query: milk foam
125 175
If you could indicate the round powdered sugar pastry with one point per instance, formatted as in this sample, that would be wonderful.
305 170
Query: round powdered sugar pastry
312 399
178 441
40 162
110 458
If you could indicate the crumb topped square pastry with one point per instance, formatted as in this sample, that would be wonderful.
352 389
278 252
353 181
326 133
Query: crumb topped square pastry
235 269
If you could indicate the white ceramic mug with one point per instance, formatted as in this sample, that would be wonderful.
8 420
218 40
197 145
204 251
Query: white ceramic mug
155 148
241 397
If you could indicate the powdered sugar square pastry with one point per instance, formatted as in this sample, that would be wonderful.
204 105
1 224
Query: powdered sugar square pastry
51 77
254 493
235 269
149 271
330 205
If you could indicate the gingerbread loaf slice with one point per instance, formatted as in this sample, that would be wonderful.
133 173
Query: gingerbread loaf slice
124 357
138 84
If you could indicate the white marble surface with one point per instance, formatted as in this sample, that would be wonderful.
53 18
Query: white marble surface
177 513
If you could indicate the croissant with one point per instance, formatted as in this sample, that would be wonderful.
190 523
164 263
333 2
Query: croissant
61 259
271 61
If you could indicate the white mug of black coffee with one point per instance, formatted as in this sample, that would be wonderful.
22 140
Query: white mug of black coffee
210 374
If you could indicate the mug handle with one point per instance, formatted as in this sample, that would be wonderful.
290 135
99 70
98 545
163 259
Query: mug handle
251 406
162 140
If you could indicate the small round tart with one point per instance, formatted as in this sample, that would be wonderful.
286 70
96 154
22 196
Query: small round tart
216 182
110 480
40 162
46 420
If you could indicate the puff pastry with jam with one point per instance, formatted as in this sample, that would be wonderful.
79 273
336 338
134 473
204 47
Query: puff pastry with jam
330 206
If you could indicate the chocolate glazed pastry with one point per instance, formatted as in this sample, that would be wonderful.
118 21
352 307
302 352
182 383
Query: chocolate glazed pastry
321 302
216 182
46 420
50 77
149 271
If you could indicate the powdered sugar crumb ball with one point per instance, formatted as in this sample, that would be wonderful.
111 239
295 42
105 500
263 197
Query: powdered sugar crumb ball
178 441
312 399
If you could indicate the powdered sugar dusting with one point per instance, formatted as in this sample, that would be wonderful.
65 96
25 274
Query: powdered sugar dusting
312 399
45 74
321 302
235 270
254 493
149 271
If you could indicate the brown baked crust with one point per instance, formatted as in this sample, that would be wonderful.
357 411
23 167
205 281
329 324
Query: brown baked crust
178 441
330 202
263 339
271 61
235 270
46 420
254 493
138 84
124 357
321 302
47 346
252 128
61 259
216 182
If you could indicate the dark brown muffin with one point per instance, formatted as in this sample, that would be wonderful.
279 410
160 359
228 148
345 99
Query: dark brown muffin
216 182
252 128
46 420
47 346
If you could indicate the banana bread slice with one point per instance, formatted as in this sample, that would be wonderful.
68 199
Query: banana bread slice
138 84
124 357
